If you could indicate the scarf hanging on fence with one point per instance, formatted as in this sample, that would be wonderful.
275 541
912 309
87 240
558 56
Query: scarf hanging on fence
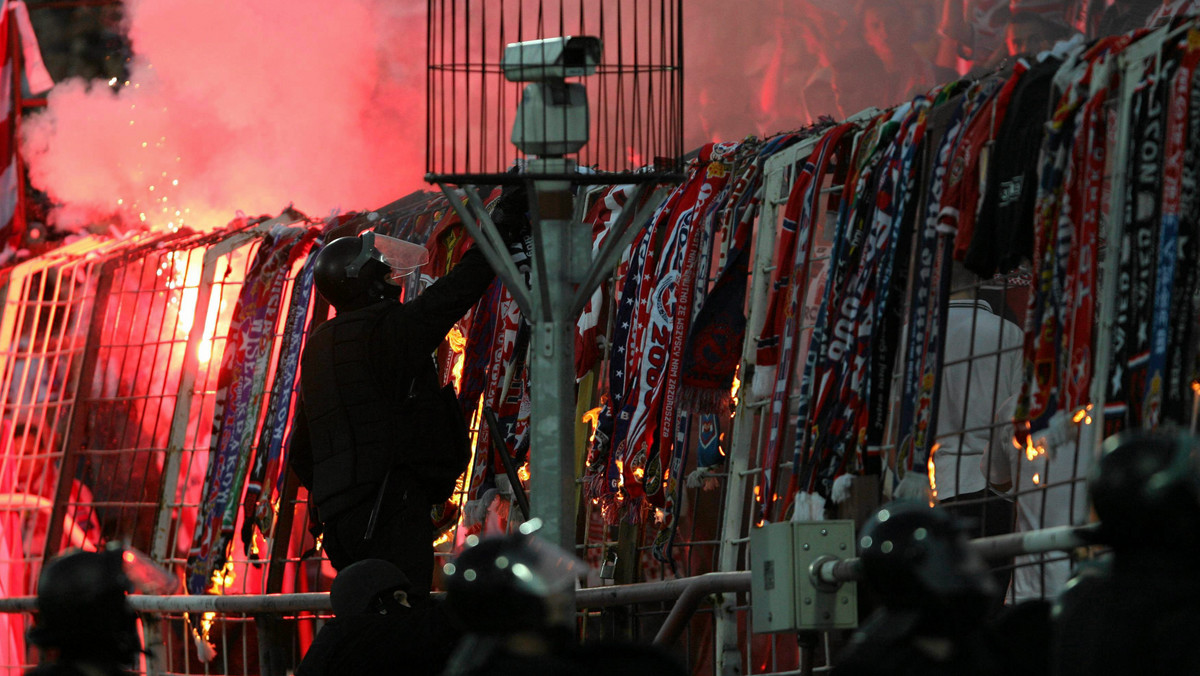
589 329
632 325
1081 282
713 350
854 201
1148 224
505 368
802 213
258 510
1176 104
643 465
1117 383
1180 357
236 406
740 159
837 430
605 471
1053 230
930 290
876 348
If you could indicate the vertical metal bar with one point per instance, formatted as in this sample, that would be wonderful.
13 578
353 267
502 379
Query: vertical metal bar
78 427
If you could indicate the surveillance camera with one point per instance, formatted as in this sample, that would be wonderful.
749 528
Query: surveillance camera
552 119
551 58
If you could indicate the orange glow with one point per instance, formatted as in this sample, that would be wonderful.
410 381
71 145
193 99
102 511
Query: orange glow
1033 451
733 392
1196 387
183 275
932 469
523 472
1037 478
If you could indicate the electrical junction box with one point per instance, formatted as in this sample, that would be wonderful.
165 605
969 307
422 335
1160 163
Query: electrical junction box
785 596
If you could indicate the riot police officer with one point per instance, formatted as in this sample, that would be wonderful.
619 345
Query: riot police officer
513 595
84 624
1136 608
377 440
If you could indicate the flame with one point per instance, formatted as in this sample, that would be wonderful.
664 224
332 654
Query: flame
523 473
1037 478
201 629
458 343
1032 450
733 391
932 469
1196 387
592 418
222 579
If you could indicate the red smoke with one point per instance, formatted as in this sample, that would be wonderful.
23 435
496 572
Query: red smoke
243 106
252 105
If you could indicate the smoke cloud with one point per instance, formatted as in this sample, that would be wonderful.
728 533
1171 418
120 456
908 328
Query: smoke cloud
243 106
254 105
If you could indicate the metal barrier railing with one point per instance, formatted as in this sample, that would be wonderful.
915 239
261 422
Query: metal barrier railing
686 594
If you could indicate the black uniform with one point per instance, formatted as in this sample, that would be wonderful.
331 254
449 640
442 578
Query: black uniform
416 641
357 370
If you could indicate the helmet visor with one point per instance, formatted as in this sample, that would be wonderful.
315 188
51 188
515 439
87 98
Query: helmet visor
404 258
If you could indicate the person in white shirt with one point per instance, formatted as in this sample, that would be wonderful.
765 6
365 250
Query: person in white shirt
981 367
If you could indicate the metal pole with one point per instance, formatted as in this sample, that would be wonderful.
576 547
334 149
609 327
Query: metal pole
562 257
994 548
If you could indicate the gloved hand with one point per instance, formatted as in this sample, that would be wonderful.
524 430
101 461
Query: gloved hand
511 213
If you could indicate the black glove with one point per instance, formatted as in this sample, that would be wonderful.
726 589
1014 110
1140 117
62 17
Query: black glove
511 213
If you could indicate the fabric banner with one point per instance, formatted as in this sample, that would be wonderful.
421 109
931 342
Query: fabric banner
238 400
259 509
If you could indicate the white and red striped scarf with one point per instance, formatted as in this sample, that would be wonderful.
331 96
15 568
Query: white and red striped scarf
657 301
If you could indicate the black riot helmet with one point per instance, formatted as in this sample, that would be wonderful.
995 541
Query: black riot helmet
83 611
512 583
367 586
915 557
354 272
1145 489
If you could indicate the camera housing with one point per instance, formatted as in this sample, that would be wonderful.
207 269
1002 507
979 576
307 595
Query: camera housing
551 58
552 118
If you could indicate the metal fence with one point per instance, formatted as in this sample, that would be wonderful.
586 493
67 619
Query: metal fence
110 358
